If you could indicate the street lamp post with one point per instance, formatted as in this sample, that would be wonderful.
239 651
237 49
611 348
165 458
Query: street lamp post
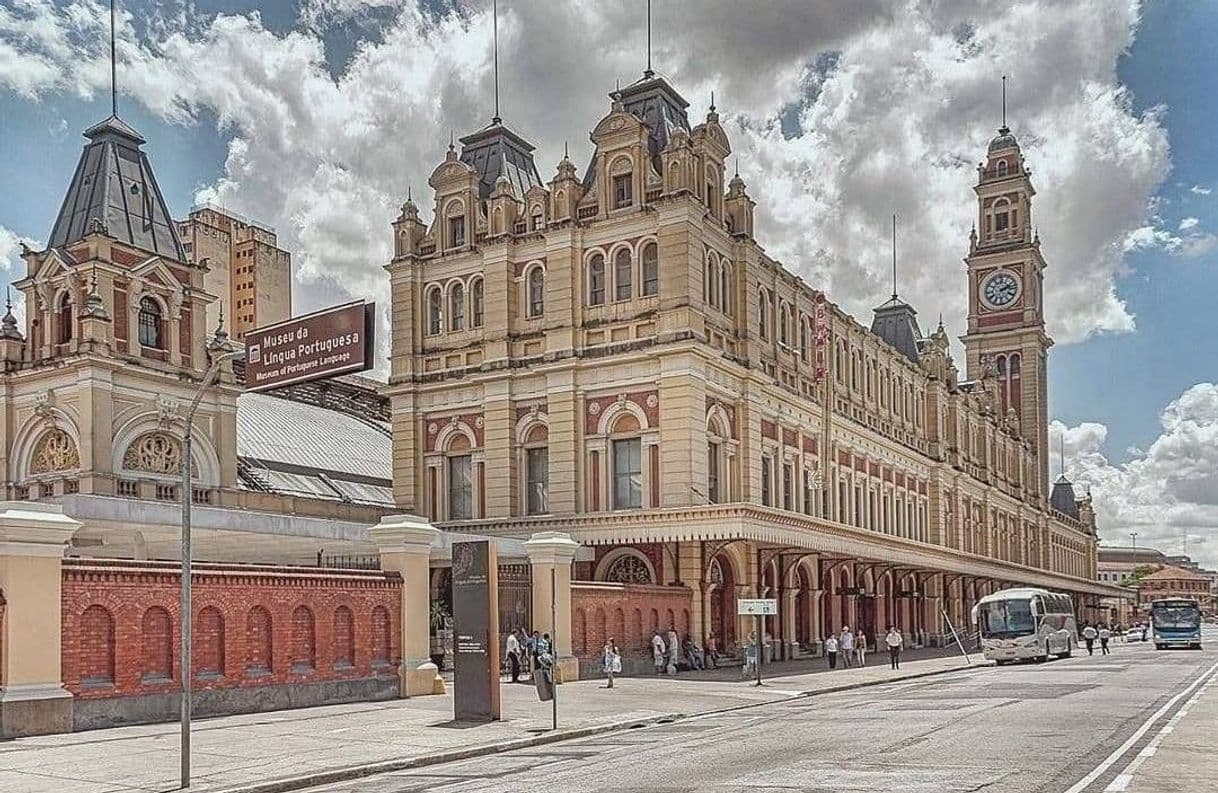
1133 539
223 352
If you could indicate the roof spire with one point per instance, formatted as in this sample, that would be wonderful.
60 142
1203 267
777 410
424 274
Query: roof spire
495 47
452 140
1061 445
712 105
113 67
565 154
894 256
737 164
648 73
1004 130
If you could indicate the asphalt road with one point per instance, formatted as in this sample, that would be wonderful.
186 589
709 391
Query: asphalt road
1020 729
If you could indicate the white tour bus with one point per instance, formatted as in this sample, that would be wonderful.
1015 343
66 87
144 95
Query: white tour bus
1026 623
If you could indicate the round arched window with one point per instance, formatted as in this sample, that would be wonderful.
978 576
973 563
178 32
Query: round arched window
150 323
628 569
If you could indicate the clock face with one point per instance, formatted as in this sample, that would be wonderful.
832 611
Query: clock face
1000 289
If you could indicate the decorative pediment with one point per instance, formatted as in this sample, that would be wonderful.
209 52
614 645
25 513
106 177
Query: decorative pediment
449 171
618 122
52 266
155 272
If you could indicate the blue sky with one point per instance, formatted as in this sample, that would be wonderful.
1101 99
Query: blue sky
1122 380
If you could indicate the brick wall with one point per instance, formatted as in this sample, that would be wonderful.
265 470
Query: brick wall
254 627
628 613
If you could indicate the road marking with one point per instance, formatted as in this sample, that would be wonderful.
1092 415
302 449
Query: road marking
1122 780
1098 771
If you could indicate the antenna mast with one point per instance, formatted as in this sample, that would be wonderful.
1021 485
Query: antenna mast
495 46
1004 101
648 73
894 256
113 67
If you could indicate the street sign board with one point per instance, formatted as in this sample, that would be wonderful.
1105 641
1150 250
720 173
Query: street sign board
475 587
333 341
757 607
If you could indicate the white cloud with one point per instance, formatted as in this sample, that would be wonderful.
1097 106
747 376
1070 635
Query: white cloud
1199 190
13 267
1188 223
1167 493
888 107
1190 245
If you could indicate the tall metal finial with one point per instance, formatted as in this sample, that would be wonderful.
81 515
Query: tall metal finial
8 296
737 164
113 67
648 73
712 106
565 154
495 45
1061 445
409 197
452 140
1004 102
894 257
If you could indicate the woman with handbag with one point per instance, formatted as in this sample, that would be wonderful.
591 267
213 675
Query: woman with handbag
611 661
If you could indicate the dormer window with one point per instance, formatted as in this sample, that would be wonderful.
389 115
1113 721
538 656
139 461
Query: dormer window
456 231
64 318
538 219
1002 167
150 323
622 195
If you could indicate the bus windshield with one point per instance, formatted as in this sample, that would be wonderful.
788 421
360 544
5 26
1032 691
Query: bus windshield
1176 615
1007 619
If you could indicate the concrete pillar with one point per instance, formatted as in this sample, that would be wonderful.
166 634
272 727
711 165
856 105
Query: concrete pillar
32 540
790 632
554 551
405 544
818 630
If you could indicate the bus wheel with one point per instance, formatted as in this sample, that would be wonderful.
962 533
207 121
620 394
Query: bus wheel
1158 646
1066 654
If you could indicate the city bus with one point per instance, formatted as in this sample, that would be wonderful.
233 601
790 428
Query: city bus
1176 622
1026 623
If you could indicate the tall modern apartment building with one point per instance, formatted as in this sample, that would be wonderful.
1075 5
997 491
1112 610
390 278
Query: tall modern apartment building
247 269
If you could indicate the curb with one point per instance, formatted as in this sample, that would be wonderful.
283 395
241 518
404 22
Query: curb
347 773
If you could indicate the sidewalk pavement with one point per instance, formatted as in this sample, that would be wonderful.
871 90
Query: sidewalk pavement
245 752
1181 756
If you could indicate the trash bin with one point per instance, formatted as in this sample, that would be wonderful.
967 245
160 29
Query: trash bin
543 679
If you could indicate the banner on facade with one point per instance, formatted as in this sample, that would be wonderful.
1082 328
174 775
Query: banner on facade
757 607
820 334
330 342
476 632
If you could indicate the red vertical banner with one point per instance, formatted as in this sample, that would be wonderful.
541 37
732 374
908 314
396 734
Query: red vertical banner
820 333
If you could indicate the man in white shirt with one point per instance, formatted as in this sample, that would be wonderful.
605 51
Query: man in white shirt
831 650
846 642
1089 634
658 652
674 650
1105 635
513 656
895 642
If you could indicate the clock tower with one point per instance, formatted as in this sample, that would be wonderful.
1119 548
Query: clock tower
1006 324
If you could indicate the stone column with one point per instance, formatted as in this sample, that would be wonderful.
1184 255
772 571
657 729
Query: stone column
554 551
790 631
405 544
32 540
818 630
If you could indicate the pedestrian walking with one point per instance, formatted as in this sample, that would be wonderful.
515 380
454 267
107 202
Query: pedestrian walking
750 656
846 642
674 649
712 650
860 648
611 661
895 641
513 655
530 649
1089 634
1105 635
658 651
831 650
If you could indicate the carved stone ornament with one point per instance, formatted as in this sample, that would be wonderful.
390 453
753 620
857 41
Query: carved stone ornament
44 405
621 399
154 452
55 451
652 401
628 569
167 411
433 428
478 422
594 408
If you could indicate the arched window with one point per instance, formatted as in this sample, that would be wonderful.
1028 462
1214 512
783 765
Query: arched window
1002 217
381 633
627 464
1002 167
344 638
622 183
64 318
763 314
456 307
96 646
537 470
435 310
629 568
208 643
805 336
477 301
304 646
623 287
784 321
537 292
725 290
538 219
456 224
596 280
258 647
150 323
460 479
651 269
157 639
713 279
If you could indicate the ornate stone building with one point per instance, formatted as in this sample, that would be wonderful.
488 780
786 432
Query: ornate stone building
614 355
96 385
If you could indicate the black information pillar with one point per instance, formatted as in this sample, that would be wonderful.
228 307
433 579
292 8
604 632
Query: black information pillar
476 629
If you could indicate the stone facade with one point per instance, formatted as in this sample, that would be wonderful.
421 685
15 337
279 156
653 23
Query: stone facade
618 358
